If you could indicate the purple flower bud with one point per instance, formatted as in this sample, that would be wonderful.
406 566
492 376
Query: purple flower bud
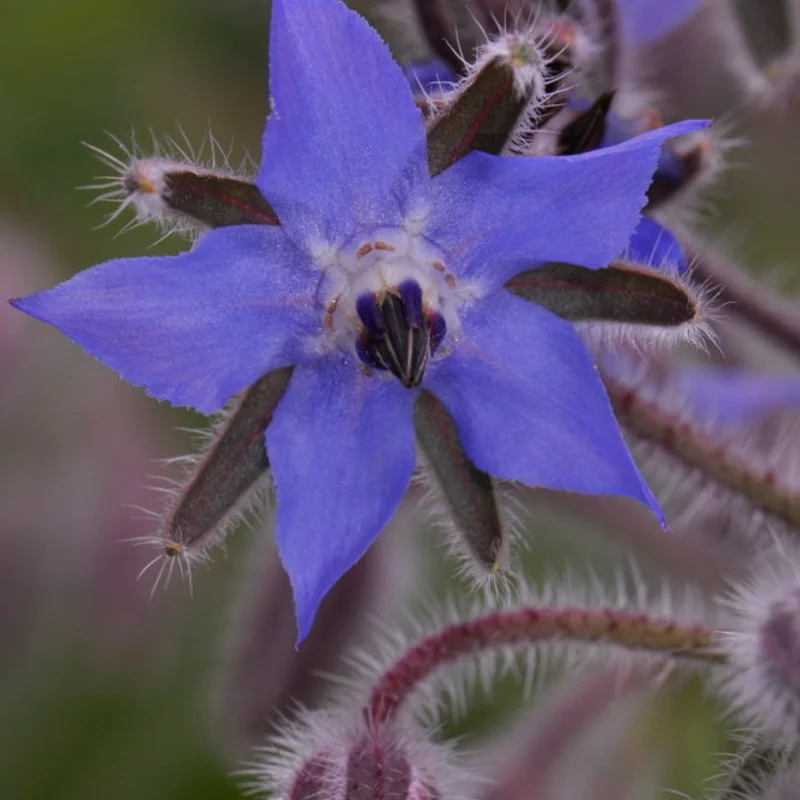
325 756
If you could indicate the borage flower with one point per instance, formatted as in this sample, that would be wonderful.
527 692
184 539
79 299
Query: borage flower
380 285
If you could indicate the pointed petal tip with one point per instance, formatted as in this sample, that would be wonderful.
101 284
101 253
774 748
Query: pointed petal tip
33 306
352 153
304 623
306 606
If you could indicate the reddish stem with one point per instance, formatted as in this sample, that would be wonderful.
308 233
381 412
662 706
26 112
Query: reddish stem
530 625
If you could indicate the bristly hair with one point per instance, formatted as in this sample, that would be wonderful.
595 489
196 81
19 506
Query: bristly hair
698 332
761 634
696 496
448 693
328 739
527 45
137 179
503 577
253 509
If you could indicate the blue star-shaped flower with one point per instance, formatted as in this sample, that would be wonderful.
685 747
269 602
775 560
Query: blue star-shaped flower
380 281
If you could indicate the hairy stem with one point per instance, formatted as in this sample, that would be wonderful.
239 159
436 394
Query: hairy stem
777 318
691 445
530 626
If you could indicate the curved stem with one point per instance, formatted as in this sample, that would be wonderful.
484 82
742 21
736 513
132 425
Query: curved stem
529 626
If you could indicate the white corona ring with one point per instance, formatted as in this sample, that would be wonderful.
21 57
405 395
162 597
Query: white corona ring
389 300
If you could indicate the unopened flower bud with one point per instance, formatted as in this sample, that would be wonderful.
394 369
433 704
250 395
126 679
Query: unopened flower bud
352 760
763 645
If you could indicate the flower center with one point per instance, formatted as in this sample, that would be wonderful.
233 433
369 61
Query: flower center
391 302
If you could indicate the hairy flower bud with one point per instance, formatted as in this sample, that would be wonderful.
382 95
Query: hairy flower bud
325 756
763 644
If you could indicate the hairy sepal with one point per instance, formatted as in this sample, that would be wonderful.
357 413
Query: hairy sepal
481 540
177 195
222 483
216 200
482 115
622 302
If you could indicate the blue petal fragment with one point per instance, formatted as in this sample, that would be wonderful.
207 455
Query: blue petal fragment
342 452
728 397
344 147
433 75
530 407
496 216
196 328
656 246
647 20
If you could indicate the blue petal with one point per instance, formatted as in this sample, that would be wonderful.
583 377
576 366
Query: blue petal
192 329
655 245
431 75
342 452
529 404
619 129
496 217
344 147
738 397
647 20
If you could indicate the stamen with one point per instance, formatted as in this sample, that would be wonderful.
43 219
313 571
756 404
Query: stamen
399 335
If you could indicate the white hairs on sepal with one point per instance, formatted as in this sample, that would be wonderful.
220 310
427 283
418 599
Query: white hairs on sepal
139 180
697 330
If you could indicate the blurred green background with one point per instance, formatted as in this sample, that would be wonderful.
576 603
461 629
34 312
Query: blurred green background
104 692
